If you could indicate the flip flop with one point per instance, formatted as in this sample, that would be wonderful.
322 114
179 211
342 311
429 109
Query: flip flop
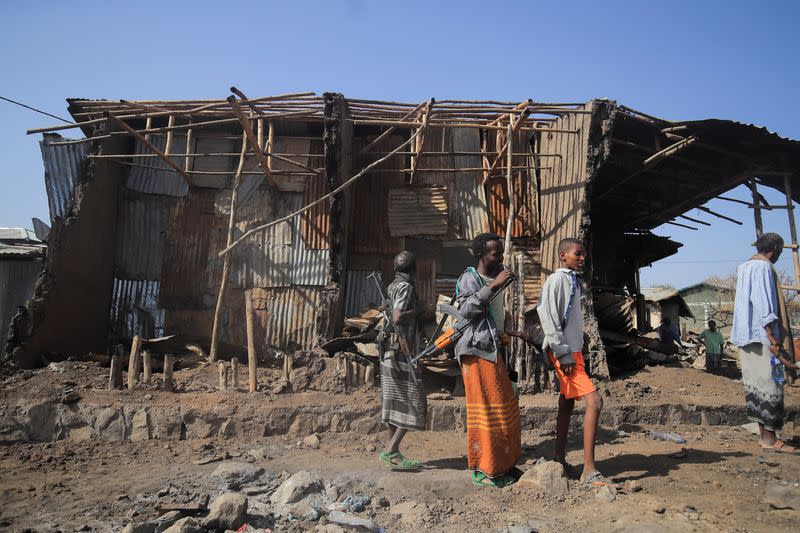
401 464
596 479
482 480
788 449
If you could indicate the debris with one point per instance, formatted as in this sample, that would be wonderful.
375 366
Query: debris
344 519
411 512
70 397
751 427
783 495
228 511
605 494
200 505
440 396
186 525
294 488
356 504
670 437
210 459
312 441
235 475
632 486
256 490
546 476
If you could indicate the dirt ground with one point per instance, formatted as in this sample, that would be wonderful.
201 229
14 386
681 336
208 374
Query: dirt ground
716 481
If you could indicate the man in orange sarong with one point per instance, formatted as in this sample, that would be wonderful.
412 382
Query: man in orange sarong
494 436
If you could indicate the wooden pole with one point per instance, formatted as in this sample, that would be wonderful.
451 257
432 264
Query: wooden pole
756 208
369 376
155 150
389 131
426 119
169 361
170 136
251 344
226 263
270 142
147 365
235 372
223 375
512 200
115 373
787 185
133 362
669 150
723 217
188 151
251 138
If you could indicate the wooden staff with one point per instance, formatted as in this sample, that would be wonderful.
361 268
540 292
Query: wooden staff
251 343
155 150
756 208
235 372
115 373
226 263
133 362
169 361
147 365
187 157
426 120
251 138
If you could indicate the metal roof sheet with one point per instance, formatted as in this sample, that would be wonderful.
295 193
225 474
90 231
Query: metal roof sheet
418 211
63 164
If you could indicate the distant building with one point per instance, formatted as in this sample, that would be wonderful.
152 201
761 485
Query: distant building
21 261
708 302
662 302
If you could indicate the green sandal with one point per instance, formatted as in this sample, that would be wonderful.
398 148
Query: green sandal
482 480
401 464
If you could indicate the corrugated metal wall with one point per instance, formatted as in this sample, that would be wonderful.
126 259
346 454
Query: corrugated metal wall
17 278
362 293
469 218
62 166
141 230
418 211
563 186
152 175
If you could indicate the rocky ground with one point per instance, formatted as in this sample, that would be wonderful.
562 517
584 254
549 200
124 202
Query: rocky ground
299 479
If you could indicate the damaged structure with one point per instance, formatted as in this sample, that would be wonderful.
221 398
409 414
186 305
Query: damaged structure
168 212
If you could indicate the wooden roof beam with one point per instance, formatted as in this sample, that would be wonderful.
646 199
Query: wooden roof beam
251 138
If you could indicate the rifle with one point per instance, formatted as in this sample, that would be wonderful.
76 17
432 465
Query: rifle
389 328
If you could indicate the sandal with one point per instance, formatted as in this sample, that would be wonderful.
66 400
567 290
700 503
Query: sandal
482 480
596 479
783 448
401 462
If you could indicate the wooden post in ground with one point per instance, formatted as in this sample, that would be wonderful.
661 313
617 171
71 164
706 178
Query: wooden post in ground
369 375
133 362
512 214
147 368
235 373
169 361
226 262
787 182
756 209
288 362
223 375
251 345
115 373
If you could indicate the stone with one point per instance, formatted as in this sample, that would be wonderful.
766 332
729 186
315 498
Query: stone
140 426
752 427
632 486
167 520
332 493
255 491
186 525
294 488
228 511
411 512
546 476
351 520
312 441
605 494
234 475
783 496
140 528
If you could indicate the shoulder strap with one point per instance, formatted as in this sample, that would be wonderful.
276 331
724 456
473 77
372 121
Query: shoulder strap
571 298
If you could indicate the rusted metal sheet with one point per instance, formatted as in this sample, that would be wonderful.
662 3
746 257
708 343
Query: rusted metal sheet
361 292
524 191
425 280
315 223
436 140
418 211
17 278
563 186
135 310
141 227
287 316
369 228
446 285
62 167
191 268
470 218
154 176
214 145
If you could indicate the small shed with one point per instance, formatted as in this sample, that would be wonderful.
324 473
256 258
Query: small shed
708 302
21 261
663 302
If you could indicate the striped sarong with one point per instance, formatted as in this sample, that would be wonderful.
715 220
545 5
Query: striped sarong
764 397
404 401
494 437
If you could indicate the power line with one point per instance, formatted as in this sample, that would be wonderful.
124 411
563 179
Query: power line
37 110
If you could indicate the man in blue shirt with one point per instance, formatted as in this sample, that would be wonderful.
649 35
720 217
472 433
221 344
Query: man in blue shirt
757 331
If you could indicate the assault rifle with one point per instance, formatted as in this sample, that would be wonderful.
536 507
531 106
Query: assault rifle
386 305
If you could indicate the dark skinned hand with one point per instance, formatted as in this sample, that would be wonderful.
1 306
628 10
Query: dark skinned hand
568 369
501 278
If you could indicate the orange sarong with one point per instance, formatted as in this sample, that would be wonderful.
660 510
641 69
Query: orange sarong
494 437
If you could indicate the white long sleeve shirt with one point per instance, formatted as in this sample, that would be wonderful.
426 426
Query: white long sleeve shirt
553 305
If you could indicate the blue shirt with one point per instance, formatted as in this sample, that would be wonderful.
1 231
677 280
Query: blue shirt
756 303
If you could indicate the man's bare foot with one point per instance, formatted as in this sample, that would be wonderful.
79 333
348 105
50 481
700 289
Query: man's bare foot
778 446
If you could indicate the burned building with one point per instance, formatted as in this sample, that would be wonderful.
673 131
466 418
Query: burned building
295 199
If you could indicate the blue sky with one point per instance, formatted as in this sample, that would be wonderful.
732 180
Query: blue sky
678 60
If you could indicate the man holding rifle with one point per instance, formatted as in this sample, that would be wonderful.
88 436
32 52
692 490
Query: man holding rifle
761 331
404 404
